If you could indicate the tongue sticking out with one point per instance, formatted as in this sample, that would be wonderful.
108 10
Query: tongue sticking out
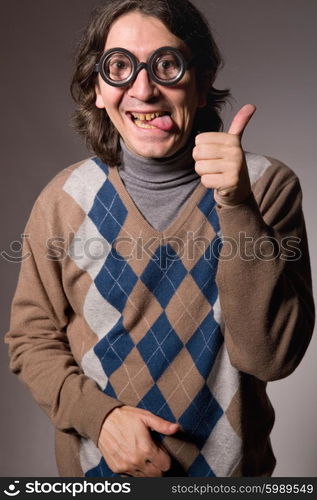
162 122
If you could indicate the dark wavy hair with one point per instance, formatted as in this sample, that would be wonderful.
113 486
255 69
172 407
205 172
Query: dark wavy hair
185 22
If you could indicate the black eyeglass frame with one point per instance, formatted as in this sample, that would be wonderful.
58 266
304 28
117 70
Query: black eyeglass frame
137 66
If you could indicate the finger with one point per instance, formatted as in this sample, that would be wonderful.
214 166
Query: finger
150 470
220 166
135 472
160 459
216 151
159 424
215 181
132 473
213 138
241 120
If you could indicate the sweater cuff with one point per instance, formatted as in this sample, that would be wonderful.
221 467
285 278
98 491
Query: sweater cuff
246 216
223 203
90 410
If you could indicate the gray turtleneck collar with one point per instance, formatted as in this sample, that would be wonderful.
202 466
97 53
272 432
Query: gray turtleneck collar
159 183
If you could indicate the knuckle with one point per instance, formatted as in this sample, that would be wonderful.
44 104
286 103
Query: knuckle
147 450
167 462
198 167
146 413
195 153
199 139
206 181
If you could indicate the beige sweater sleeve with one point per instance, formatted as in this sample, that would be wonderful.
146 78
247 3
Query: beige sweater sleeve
38 344
264 278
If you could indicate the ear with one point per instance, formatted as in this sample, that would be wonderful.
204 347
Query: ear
99 99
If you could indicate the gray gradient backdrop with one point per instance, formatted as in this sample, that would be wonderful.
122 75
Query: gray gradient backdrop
269 48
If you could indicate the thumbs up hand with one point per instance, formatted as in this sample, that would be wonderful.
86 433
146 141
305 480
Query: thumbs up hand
221 163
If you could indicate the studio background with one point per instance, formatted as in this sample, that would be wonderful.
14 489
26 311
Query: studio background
269 50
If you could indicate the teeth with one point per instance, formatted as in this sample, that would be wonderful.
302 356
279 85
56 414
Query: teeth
147 117
142 124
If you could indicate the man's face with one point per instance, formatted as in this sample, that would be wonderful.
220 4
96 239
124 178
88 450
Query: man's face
142 35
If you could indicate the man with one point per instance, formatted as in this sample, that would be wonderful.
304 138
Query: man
168 277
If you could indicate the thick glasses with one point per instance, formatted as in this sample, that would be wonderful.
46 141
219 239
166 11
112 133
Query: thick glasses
119 67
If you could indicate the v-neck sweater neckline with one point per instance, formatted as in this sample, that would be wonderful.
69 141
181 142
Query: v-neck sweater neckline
144 225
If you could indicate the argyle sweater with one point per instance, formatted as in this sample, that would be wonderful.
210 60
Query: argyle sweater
189 323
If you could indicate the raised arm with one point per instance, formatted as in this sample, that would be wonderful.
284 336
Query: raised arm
264 284
265 289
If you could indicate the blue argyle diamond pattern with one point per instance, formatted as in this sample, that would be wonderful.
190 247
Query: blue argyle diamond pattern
163 274
101 165
108 212
200 468
204 345
205 270
113 348
155 402
109 390
116 280
101 470
201 416
159 346
208 207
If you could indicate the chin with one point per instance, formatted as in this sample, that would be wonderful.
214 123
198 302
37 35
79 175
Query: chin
156 154
153 150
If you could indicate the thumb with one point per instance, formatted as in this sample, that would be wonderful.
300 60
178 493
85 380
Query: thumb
160 425
241 120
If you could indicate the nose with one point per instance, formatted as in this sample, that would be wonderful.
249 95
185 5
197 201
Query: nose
143 88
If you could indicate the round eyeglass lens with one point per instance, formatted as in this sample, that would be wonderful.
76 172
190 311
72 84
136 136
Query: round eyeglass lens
167 65
118 67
